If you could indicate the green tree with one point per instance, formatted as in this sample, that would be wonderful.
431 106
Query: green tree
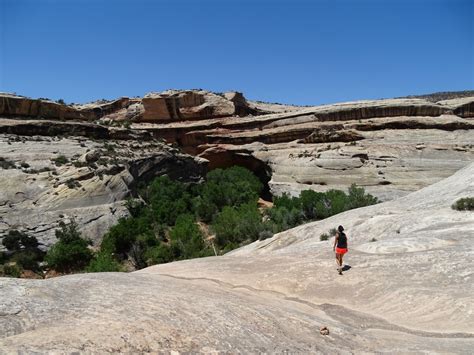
71 252
186 238
284 219
358 198
12 241
23 250
226 187
159 254
287 201
103 262
309 200
167 199
120 238
237 225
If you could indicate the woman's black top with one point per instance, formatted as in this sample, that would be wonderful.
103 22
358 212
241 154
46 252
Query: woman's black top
342 240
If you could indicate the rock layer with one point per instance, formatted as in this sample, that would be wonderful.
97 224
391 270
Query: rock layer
175 105
304 147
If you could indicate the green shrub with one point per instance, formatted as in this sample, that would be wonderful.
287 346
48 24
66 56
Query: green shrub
60 160
167 200
137 252
336 201
71 183
287 202
71 252
12 240
103 262
120 238
284 219
226 187
10 270
79 164
464 204
134 206
28 259
6 164
23 250
288 212
237 225
358 198
159 254
309 199
186 239
323 237
3 257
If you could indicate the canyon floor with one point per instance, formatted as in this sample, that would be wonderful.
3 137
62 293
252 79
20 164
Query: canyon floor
408 290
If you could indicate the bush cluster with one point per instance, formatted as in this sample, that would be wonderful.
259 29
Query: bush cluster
71 252
6 164
162 226
288 212
464 204
60 160
22 253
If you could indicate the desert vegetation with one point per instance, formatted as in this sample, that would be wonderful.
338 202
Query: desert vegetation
464 204
170 220
22 252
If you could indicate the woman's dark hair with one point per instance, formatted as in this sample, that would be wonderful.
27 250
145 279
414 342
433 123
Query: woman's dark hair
340 228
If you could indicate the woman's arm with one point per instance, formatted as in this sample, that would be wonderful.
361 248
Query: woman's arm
335 240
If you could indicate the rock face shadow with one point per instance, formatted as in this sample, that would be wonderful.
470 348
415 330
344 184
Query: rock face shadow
346 267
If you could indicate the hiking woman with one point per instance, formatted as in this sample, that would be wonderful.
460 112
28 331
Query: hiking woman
340 247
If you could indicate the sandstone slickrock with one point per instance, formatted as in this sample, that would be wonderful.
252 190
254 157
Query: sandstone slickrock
409 291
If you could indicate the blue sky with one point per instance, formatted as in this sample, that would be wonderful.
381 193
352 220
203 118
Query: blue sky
294 51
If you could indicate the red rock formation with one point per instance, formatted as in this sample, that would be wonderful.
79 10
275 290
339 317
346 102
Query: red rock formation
18 106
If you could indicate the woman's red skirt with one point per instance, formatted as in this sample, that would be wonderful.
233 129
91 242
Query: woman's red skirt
341 250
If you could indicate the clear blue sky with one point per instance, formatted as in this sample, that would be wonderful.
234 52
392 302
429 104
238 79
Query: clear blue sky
294 51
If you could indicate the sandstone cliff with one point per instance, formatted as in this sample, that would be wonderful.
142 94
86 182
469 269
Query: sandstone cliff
390 147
